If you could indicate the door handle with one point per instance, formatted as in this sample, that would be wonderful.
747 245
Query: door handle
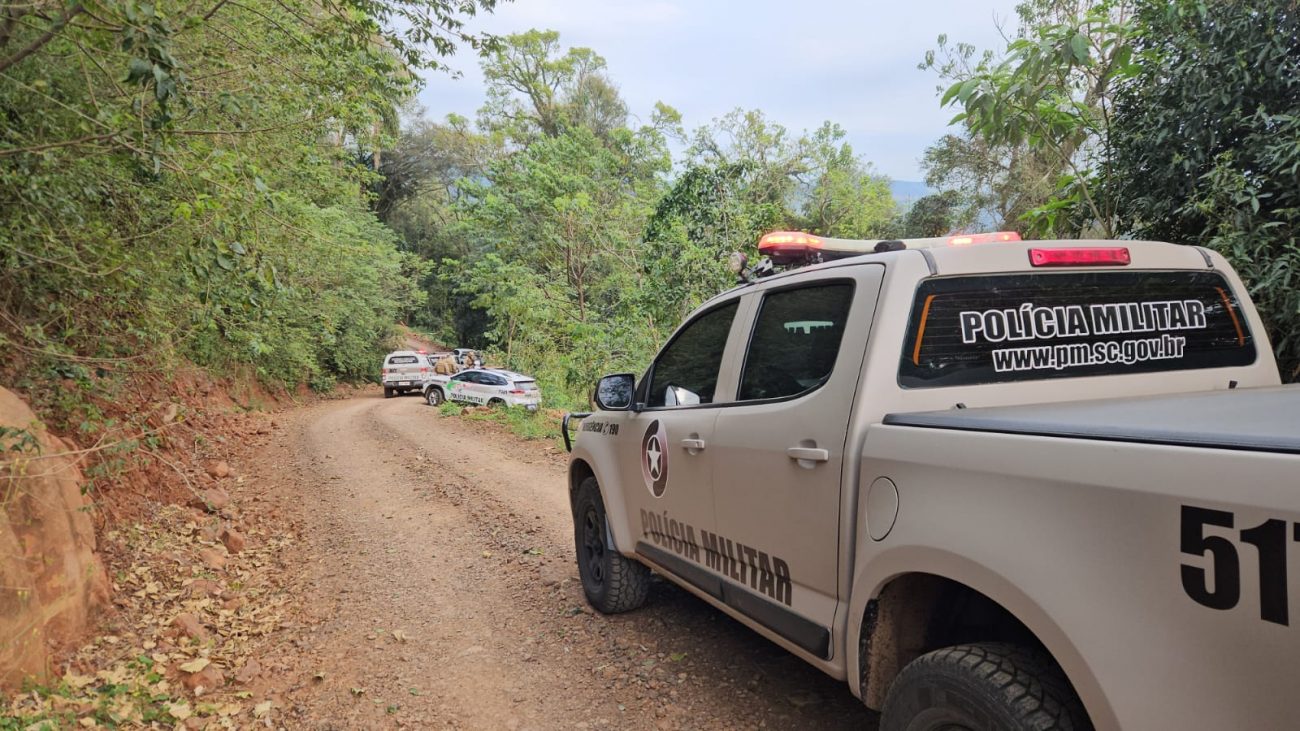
809 454
695 444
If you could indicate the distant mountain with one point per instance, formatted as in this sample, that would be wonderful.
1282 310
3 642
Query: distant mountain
907 191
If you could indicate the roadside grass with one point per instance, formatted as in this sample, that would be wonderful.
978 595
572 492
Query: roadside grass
527 425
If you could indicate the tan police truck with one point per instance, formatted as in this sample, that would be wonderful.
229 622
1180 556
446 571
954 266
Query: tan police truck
988 483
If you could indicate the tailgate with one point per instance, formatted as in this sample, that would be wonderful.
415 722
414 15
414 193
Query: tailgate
1259 419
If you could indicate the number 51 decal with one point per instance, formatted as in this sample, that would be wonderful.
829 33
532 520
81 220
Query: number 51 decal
1270 541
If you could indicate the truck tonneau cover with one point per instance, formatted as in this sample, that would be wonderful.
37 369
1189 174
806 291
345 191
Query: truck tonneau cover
1256 419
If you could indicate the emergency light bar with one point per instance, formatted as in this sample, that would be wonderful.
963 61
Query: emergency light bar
988 238
783 247
796 247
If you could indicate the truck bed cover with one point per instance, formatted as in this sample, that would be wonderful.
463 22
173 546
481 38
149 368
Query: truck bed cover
1257 419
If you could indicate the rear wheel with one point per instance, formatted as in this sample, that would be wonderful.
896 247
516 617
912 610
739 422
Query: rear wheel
434 396
988 685
612 582
388 392
496 403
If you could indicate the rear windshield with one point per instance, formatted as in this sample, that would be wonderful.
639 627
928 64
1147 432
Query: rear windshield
526 385
1019 327
403 360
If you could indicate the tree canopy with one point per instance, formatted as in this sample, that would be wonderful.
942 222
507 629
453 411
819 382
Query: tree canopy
565 235
180 180
1165 120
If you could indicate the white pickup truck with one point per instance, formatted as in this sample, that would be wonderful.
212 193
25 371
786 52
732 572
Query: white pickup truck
1010 485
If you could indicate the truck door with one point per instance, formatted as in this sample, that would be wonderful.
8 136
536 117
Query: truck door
779 450
667 447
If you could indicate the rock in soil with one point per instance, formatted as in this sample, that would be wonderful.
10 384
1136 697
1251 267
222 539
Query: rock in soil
212 559
233 540
212 499
189 626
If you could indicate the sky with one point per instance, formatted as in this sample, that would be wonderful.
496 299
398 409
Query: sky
801 62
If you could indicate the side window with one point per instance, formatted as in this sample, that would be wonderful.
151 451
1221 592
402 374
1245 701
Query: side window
686 372
461 377
492 379
795 341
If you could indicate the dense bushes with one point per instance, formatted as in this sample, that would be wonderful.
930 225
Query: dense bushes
1206 145
182 181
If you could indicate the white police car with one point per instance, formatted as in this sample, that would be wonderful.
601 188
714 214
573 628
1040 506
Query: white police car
485 386
404 370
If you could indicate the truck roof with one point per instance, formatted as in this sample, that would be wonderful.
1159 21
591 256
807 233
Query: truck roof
1254 419
945 259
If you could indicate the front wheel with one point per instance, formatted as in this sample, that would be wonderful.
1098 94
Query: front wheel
987 685
434 396
612 582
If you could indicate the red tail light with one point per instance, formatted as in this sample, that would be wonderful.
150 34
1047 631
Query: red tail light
516 392
985 238
1090 257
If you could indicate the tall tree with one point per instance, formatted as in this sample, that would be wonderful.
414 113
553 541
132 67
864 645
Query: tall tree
845 198
535 87
933 215
1046 102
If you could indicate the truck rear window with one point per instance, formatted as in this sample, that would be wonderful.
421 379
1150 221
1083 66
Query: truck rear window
1018 327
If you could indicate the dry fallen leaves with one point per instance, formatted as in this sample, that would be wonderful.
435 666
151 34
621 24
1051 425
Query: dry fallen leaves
196 665
114 679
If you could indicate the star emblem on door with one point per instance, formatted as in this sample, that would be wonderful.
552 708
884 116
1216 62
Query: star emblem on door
654 455
654 458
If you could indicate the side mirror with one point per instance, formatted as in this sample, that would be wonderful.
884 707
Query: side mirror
614 393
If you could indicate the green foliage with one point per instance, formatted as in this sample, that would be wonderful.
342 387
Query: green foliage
535 91
559 220
995 185
178 180
17 441
529 425
932 215
707 214
1206 145
745 177
1039 113
846 199
562 238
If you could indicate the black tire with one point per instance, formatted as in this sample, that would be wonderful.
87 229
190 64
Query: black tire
496 403
612 582
988 685
388 392
434 396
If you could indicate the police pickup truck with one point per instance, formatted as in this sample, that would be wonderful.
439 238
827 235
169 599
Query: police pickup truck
988 483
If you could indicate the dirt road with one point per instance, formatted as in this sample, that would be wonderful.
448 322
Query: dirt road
439 590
